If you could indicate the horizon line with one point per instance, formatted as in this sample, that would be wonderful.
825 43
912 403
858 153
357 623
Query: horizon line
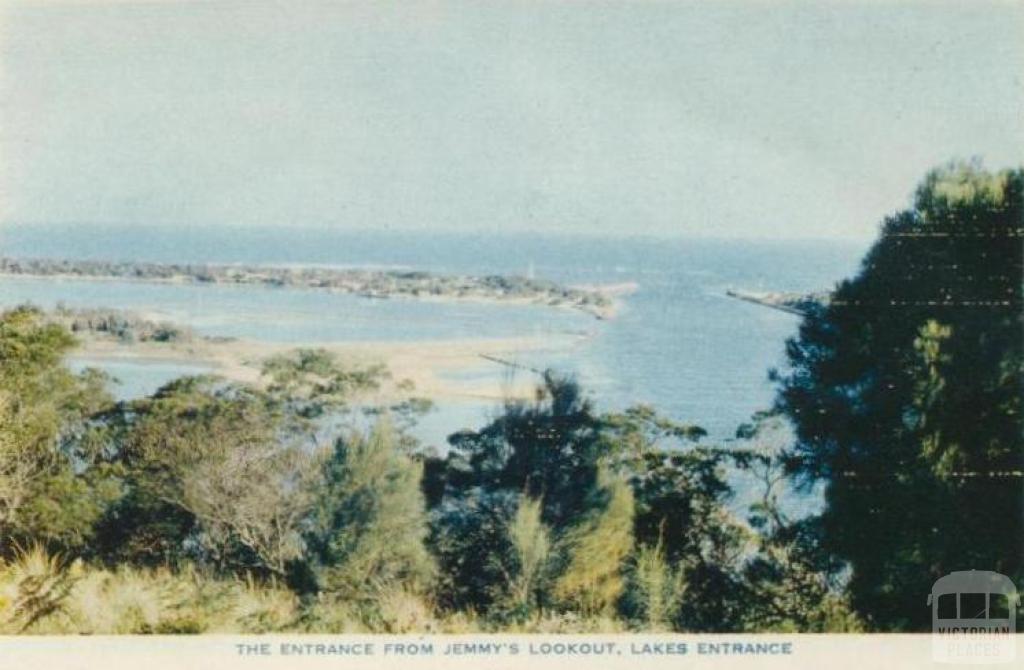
166 226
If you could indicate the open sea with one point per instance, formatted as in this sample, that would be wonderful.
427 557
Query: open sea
679 343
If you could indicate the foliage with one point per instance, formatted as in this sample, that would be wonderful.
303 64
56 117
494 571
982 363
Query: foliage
549 449
681 515
591 582
636 486
470 537
312 383
531 542
792 584
42 594
208 473
45 495
504 492
368 523
212 506
906 398
654 589
34 586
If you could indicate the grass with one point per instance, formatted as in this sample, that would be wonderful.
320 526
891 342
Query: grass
40 594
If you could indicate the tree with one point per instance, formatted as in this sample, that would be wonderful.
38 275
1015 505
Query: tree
531 540
685 535
254 498
614 491
315 381
905 392
211 472
223 472
471 540
548 454
369 521
549 449
654 589
680 510
595 551
791 583
19 467
48 492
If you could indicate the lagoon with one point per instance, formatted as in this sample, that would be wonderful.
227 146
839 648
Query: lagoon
679 342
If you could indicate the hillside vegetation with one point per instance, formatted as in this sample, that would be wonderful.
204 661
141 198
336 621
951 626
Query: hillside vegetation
212 506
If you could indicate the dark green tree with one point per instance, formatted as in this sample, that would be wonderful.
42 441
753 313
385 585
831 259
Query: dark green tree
681 498
548 451
905 392
471 538
679 549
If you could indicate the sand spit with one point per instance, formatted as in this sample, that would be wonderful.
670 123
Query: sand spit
443 371
373 283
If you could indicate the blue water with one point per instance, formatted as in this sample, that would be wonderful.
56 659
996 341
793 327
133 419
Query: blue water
133 380
679 344
300 315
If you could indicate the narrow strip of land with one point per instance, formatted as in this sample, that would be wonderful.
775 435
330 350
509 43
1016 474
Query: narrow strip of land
800 304
594 300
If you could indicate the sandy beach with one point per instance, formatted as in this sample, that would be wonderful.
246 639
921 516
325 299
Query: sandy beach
468 370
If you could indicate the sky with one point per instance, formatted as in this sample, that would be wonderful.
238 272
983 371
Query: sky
719 119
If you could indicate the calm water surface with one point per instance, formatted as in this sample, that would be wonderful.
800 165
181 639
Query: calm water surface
679 343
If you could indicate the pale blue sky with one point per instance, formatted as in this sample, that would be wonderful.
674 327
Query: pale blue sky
727 119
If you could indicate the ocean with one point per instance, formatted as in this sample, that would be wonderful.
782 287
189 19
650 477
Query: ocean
679 343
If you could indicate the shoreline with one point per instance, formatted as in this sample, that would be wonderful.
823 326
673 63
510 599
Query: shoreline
612 292
437 369
601 302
